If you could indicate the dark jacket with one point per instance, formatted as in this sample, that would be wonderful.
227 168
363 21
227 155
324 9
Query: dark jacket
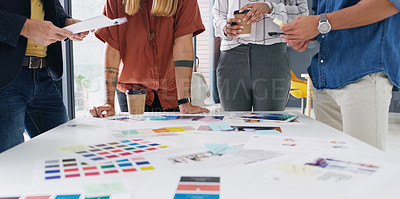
13 14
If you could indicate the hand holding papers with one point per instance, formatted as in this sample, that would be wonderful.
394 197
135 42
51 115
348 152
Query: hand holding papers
94 23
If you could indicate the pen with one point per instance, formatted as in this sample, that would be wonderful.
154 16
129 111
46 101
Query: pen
292 118
275 33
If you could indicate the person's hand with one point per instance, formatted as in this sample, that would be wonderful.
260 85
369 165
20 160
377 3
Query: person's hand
301 29
257 11
188 108
233 30
297 45
43 32
103 111
77 36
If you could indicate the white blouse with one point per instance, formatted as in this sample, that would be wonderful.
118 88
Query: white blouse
284 10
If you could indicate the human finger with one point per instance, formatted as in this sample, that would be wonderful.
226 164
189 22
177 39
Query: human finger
257 16
301 46
247 6
93 112
62 32
248 15
287 28
104 111
233 20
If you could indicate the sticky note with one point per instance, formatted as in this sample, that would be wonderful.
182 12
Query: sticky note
219 126
104 189
130 132
220 149
278 22
268 132
297 169
68 196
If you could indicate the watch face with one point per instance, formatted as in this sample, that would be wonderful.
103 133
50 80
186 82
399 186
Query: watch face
324 27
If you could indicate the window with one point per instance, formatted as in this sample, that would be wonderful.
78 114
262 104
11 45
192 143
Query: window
88 61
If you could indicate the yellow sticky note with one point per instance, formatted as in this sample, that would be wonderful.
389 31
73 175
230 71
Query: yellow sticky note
175 129
147 168
278 22
297 169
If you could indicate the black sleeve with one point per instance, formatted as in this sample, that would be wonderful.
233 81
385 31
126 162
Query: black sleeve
10 27
61 15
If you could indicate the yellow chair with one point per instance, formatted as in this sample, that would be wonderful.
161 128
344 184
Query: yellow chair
298 89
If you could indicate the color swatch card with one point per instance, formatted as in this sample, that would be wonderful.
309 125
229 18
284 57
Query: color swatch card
65 196
191 187
300 144
247 129
191 118
74 168
175 130
50 196
119 149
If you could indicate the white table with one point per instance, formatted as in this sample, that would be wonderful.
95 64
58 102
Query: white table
17 165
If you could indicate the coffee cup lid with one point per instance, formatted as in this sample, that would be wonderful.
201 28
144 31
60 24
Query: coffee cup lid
135 91
244 12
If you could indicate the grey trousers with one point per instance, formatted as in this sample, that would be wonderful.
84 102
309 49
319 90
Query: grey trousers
254 77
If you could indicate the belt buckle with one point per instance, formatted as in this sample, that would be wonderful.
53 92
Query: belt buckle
33 63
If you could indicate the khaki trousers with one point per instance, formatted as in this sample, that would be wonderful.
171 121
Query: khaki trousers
360 109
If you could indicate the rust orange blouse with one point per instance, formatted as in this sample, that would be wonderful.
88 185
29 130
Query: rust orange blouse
148 63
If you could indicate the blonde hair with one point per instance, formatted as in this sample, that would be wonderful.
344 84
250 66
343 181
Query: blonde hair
165 8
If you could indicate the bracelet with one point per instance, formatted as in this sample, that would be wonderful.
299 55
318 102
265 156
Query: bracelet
184 101
271 7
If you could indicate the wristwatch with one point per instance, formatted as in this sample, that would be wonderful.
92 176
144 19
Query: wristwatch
324 26
184 101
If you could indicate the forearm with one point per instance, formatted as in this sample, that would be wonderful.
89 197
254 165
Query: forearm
183 51
363 13
111 70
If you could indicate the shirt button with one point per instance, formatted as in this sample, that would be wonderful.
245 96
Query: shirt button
323 36
322 61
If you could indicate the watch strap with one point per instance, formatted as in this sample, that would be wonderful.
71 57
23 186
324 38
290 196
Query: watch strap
184 101
322 17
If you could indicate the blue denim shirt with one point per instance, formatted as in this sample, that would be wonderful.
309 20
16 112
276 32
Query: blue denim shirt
396 3
346 56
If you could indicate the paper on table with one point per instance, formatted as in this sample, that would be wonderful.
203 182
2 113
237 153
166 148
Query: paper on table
94 23
300 144
220 149
73 148
104 189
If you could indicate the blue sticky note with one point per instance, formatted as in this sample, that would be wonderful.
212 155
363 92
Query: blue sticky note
68 196
220 149
195 196
268 132
219 126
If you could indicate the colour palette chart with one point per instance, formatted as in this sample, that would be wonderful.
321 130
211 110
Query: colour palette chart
159 130
74 168
198 188
60 196
119 149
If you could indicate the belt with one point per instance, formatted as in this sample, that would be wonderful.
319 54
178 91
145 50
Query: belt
35 62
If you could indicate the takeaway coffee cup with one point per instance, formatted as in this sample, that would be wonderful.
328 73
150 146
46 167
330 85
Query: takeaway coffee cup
136 101
247 27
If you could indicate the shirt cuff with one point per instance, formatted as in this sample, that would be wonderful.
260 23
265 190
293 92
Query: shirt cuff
272 7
